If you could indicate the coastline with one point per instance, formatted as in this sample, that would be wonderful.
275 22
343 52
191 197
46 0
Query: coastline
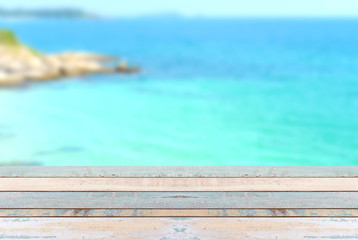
21 64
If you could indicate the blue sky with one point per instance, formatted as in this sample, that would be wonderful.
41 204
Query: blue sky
222 8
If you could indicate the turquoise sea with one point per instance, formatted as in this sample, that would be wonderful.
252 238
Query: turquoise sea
214 92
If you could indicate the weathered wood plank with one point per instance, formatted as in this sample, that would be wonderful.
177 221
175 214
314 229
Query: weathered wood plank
176 200
179 228
179 184
178 171
179 212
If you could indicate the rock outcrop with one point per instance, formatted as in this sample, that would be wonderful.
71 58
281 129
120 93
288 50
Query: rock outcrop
20 64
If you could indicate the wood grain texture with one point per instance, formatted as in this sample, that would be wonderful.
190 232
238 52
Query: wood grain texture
179 228
179 213
175 200
179 184
110 172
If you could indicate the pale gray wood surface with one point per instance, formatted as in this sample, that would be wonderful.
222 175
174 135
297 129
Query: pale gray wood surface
7 171
179 228
250 213
179 184
260 203
177 200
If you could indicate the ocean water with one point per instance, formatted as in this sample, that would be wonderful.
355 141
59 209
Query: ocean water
213 92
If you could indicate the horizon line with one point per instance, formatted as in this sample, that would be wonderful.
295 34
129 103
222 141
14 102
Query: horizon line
174 14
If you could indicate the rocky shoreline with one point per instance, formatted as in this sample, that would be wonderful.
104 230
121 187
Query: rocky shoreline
20 64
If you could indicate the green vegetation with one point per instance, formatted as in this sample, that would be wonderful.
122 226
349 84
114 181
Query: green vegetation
8 38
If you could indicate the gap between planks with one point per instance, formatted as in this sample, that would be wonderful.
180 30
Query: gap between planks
179 184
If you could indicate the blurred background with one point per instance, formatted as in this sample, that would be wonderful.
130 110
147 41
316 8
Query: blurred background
222 83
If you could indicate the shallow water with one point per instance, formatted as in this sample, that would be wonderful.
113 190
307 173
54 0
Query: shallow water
212 92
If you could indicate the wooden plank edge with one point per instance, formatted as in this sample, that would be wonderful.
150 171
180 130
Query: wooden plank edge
125 171
178 184
275 212
179 200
